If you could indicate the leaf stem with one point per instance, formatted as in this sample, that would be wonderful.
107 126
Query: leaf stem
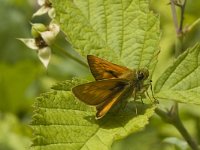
193 25
70 55
172 117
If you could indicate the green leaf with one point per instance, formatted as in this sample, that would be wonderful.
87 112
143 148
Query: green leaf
180 82
121 31
63 122
13 134
16 83
179 143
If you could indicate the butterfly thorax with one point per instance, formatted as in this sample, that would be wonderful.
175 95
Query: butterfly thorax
139 81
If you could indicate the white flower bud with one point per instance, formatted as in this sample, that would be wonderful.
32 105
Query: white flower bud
44 55
37 28
51 34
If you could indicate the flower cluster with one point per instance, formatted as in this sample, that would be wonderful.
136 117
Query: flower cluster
46 7
43 36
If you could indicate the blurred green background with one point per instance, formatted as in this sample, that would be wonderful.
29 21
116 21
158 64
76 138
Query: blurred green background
23 77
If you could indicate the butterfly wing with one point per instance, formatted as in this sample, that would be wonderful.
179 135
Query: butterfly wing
102 69
97 92
103 108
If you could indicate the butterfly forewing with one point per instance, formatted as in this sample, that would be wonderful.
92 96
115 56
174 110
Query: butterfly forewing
95 93
102 69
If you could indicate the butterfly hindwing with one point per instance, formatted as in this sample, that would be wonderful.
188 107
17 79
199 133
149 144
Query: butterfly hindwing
102 109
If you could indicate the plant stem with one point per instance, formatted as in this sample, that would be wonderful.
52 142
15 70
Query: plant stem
182 16
178 44
172 117
174 16
179 28
70 56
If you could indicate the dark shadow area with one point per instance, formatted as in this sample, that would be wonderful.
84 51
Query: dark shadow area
118 116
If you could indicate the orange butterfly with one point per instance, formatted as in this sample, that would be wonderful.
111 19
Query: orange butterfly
113 83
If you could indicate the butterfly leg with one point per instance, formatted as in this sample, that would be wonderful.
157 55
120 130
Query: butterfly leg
134 96
149 96
155 100
145 90
121 106
124 104
141 99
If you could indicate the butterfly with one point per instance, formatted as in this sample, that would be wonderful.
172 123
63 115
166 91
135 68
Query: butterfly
113 84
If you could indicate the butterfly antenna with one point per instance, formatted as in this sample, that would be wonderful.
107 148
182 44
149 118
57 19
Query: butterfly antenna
151 87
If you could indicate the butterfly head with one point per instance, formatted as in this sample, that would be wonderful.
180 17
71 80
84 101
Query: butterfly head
142 74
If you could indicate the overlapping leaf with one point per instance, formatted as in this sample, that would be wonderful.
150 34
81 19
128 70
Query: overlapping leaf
122 31
62 122
181 81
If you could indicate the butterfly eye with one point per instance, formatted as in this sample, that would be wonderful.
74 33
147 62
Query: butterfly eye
140 76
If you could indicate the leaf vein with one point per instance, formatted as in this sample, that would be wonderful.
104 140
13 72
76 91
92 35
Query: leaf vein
66 109
101 140
122 28
171 73
77 125
196 67
105 16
